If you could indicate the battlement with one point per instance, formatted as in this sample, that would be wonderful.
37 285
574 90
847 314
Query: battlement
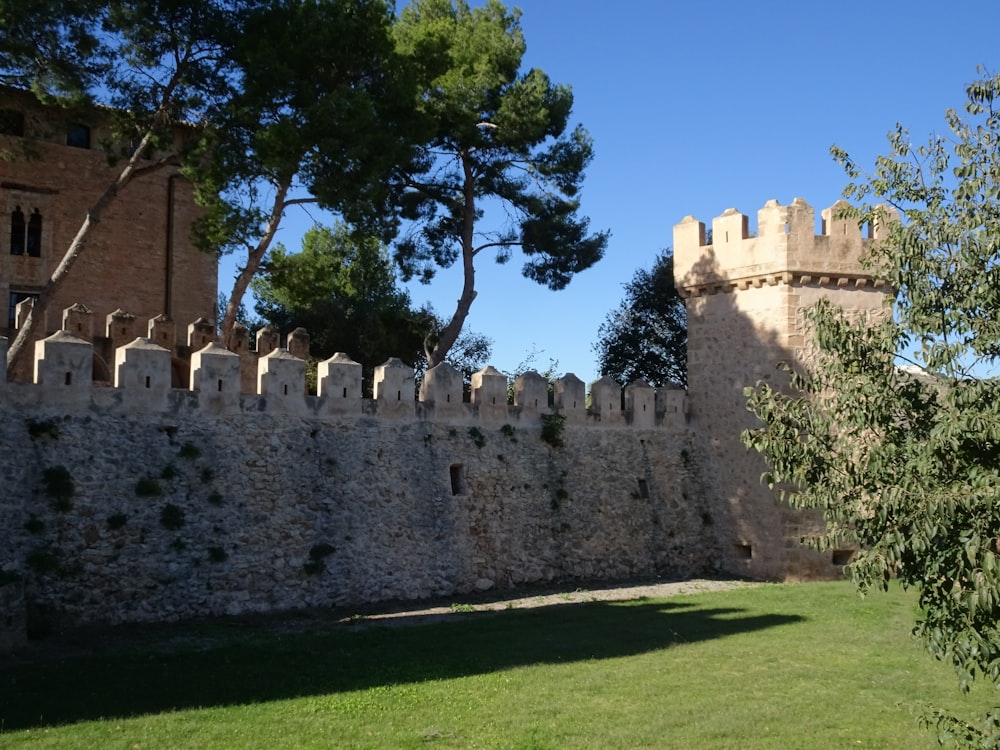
143 374
785 250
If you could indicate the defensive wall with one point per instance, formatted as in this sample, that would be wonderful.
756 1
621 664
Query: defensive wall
136 500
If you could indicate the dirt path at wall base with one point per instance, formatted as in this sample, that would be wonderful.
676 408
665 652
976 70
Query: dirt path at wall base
211 632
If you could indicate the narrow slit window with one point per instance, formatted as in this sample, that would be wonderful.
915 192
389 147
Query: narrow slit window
68 380
643 489
219 385
34 234
284 389
17 232
345 392
457 472
148 381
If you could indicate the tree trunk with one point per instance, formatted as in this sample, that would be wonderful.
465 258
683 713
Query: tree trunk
449 334
254 259
76 247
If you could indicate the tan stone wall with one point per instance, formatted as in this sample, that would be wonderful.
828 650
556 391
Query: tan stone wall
140 257
746 297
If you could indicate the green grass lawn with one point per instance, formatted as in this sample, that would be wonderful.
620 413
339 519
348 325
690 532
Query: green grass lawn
778 666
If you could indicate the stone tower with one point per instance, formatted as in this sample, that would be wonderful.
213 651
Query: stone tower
745 298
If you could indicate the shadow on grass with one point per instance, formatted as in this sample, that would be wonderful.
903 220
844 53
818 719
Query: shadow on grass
269 667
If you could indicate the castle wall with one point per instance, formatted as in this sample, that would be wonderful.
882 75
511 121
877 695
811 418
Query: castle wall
124 504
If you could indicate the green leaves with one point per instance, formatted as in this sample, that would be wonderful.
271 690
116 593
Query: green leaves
646 336
494 135
906 460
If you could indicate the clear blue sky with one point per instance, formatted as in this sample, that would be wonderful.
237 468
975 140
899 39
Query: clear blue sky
696 107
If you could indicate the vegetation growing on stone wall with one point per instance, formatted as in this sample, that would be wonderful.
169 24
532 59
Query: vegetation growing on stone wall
42 428
317 554
189 451
215 498
59 487
553 426
217 554
478 438
148 487
44 559
117 521
508 431
34 525
172 517
169 472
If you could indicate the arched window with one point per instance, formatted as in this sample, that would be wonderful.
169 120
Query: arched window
17 232
34 243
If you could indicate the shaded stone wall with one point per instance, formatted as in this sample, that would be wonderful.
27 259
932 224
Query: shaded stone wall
117 518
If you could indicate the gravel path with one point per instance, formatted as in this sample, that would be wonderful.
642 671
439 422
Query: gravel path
207 633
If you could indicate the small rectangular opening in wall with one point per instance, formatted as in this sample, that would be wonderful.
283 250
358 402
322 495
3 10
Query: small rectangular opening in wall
147 381
842 556
219 385
743 551
69 378
458 479
345 392
643 489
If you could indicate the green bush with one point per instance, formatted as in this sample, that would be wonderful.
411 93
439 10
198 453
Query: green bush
59 487
553 426
171 517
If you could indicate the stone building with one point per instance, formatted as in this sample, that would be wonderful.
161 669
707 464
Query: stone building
140 257
746 297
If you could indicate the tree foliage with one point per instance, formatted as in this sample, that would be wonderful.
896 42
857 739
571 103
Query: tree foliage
157 66
313 120
341 288
646 337
904 461
496 136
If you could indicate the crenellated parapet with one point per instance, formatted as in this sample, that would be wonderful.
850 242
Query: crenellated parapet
143 378
785 250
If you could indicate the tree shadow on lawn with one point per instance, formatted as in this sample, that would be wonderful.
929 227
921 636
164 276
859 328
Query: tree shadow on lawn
266 666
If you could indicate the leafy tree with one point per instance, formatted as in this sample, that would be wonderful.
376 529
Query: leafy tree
49 46
341 289
155 65
646 337
315 120
493 136
904 461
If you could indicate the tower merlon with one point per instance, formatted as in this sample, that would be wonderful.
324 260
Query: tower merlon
785 249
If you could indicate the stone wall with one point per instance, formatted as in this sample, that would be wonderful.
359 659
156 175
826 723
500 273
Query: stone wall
118 518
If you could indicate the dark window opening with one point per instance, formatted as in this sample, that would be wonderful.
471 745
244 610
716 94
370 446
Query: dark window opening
147 381
284 389
458 479
34 234
345 392
643 489
842 556
219 385
77 135
743 551
11 122
69 378
17 232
